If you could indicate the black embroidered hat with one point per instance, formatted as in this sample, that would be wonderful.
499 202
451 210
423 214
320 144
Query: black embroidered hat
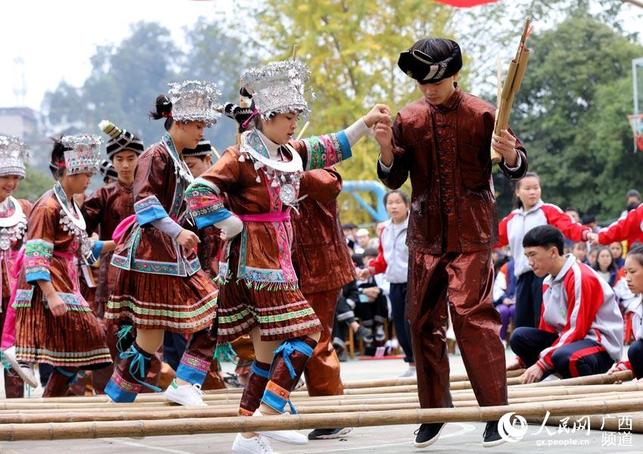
203 148
120 139
431 60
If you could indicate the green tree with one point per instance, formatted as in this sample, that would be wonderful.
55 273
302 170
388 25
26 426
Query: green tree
571 113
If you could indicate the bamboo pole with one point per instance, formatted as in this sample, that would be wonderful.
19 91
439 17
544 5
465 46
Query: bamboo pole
384 382
218 412
101 429
359 393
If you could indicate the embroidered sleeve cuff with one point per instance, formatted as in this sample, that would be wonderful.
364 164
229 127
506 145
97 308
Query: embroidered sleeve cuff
168 226
356 131
205 203
32 276
96 250
327 150
38 260
149 210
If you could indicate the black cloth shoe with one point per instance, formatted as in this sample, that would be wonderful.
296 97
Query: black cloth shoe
428 434
491 435
328 434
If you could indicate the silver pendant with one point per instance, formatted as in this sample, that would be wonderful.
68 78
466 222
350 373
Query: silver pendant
288 194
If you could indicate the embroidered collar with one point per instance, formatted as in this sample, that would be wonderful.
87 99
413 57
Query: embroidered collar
256 146
76 218
180 168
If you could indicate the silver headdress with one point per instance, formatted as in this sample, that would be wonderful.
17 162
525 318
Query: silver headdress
83 155
13 156
195 100
278 87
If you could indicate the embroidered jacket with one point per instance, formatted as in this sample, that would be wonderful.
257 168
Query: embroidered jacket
53 251
13 229
158 194
265 247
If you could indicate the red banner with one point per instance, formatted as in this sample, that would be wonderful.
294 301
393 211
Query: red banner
465 3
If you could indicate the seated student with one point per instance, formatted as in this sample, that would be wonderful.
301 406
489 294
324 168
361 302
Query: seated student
581 327
634 279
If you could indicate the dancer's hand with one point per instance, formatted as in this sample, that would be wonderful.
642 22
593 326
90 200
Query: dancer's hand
188 239
505 144
56 305
378 113
592 238
532 375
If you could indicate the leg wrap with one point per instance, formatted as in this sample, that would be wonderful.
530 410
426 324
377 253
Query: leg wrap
251 397
287 366
129 375
195 362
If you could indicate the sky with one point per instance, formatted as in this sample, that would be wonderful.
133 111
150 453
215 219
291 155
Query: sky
47 41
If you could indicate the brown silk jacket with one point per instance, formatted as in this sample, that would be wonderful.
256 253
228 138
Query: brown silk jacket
445 150
320 254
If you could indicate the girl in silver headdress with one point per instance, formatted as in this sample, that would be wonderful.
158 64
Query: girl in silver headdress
260 292
160 285
54 323
13 227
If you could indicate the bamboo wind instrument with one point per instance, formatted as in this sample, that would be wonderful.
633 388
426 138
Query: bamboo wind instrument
510 87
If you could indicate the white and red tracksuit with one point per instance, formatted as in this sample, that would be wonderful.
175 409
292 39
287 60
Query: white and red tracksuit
629 227
513 228
577 305
511 231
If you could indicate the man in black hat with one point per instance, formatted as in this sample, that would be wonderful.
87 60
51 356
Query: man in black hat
443 141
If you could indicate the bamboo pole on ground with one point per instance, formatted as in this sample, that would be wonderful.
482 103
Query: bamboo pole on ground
51 431
22 417
399 381
400 391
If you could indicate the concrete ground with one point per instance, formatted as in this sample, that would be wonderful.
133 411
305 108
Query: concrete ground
455 438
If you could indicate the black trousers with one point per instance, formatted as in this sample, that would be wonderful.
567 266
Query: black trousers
580 358
529 299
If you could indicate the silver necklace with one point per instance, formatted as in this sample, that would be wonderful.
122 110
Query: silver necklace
12 228
74 224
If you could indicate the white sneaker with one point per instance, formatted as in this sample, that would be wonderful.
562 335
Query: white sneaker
254 445
188 395
410 372
285 436
24 370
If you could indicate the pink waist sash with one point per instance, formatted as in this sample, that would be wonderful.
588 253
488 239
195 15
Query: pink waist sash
281 216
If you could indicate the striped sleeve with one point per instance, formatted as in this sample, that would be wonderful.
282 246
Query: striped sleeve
563 222
584 298
627 227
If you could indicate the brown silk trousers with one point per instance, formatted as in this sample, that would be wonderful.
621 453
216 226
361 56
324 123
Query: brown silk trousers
322 369
465 281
